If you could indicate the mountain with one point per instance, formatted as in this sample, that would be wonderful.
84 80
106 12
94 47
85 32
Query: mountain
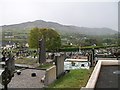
63 29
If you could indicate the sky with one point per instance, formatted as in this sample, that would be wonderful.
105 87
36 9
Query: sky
82 13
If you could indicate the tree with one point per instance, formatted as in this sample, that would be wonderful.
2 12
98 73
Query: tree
51 37
89 42
34 37
108 41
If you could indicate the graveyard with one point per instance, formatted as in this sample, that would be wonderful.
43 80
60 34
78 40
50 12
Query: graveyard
59 44
64 70
48 65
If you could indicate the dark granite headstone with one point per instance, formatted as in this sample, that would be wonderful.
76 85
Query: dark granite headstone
91 59
10 63
42 51
8 73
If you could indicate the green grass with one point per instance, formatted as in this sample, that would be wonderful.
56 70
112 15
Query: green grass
45 66
74 79
32 62
27 61
97 47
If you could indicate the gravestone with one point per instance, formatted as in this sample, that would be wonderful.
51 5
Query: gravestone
59 62
93 54
42 51
6 78
8 73
90 59
10 63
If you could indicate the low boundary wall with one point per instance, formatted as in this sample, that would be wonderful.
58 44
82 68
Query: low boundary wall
50 75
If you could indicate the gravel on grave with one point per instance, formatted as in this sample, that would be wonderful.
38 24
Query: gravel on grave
25 80
108 78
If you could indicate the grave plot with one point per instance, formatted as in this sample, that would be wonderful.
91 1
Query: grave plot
29 78
108 77
105 75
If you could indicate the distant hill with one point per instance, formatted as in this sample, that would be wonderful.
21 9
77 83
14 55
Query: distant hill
58 27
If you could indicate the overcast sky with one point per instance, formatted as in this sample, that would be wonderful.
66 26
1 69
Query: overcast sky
95 13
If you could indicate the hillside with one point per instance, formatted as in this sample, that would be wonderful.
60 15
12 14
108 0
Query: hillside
25 27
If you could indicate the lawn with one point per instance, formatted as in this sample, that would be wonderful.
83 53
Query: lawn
33 62
73 79
27 61
45 66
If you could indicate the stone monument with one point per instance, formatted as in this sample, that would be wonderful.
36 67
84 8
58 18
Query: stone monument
59 62
42 51
8 72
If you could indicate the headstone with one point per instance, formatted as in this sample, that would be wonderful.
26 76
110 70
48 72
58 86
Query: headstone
88 57
10 63
8 72
42 51
93 54
6 78
91 59
59 62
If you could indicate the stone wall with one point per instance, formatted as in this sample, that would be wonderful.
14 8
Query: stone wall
50 75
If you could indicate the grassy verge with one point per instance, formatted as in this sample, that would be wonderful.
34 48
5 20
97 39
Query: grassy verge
33 62
27 61
45 66
97 47
74 79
